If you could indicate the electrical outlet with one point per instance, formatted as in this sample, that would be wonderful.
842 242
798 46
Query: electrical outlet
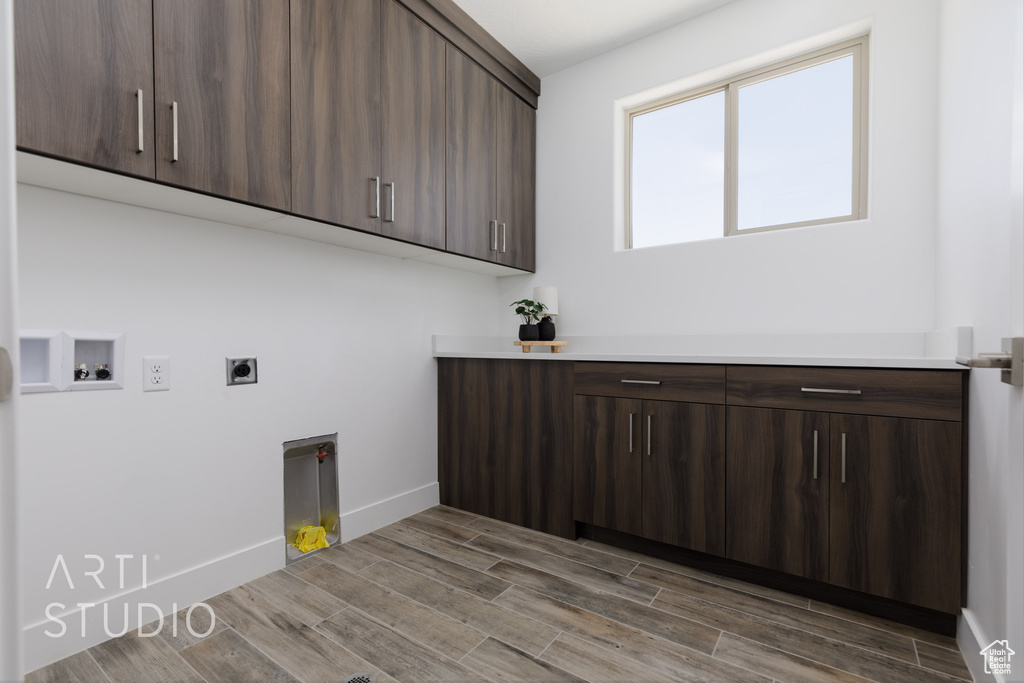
241 371
156 373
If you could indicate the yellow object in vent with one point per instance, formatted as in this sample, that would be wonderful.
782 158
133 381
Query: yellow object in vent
311 538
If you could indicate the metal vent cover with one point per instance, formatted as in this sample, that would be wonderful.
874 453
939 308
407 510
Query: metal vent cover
361 678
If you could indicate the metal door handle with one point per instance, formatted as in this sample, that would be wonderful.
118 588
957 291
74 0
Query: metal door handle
631 432
6 375
174 127
811 390
494 235
815 453
392 187
648 434
1010 361
640 381
375 212
502 238
142 132
844 457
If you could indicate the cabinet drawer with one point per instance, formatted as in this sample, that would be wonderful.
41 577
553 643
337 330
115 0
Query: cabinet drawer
923 394
665 382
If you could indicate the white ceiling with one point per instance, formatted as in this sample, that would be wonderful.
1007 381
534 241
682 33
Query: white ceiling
550 35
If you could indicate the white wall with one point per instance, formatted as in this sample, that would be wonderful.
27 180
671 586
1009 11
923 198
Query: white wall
869 276
193 475
980 261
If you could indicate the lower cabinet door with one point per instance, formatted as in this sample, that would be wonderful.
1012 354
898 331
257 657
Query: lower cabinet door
684 475
777 490
607 462
895 509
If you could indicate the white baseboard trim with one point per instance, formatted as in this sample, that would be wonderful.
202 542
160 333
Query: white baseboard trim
971 638
372 517
182 589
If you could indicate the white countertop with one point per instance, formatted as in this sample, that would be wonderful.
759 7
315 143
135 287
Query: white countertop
937 349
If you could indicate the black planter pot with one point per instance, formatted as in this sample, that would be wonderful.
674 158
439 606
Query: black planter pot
546 329
528 333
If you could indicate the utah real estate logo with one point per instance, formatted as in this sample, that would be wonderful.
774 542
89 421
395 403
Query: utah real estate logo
997 657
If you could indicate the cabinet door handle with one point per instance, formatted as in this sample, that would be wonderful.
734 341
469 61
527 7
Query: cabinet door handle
648 434
641 381
494 235
502 238
844 457
812 390
375 211
631 432
815 453
391 186
174 129
142 132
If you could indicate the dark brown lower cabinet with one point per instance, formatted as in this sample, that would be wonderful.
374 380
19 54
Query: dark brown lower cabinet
652 468
505 440
895 509
684 475
607 465
777 512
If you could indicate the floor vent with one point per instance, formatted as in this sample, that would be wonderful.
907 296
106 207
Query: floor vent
361 678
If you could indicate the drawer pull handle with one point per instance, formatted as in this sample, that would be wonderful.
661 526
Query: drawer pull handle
815 453
641 381
631 432
811 390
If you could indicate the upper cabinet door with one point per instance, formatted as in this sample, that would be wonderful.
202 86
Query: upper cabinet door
413 96
895 512
472 102
80 68
336 136
516 180
223 98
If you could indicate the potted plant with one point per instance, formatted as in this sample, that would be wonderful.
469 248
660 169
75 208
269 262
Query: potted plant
529 312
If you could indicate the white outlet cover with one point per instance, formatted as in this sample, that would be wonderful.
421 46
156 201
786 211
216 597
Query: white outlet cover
156 373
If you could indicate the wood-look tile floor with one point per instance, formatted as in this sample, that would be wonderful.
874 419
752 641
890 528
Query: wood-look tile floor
448 596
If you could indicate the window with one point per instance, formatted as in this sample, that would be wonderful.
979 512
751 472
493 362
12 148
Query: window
780 147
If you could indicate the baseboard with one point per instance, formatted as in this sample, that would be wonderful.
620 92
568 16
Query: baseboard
372 517
971 638
183 589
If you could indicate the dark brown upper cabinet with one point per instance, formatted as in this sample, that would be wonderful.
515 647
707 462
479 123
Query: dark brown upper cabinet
368 109
895 508
336 137
413 123
516 180
491 168
223 122
777 487
84 81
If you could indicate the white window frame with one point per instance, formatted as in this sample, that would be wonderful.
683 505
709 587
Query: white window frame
856 47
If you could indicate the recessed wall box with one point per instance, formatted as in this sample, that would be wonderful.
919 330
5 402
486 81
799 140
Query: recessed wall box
42 358
93 357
